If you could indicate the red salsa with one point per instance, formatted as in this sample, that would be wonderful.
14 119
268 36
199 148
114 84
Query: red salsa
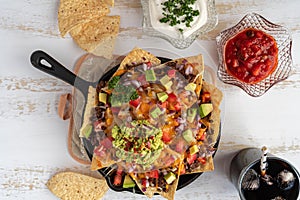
251 55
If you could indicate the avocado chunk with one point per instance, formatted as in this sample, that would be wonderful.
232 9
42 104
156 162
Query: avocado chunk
155 113
188 136
168 85
162 96
165 79
87 130
150 75
102 97
166 82
191 114
190 87
170 177
205 109
128 182
194 149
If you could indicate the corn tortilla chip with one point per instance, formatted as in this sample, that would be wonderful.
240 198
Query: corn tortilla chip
98 163
214 124
216 98
75 12
101 31
75 186
197 64
110 3
170 193
136 57
105 47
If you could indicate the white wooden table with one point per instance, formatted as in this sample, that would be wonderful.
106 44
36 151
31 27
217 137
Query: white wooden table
33 137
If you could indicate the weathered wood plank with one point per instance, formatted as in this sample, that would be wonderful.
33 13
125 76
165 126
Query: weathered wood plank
15 16
33 138
29 96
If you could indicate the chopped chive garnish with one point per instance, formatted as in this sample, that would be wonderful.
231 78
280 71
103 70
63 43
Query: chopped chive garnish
178 12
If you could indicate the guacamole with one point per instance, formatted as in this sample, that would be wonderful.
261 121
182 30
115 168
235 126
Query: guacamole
137 142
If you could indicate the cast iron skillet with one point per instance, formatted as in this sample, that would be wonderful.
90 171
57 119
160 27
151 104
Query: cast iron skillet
44 62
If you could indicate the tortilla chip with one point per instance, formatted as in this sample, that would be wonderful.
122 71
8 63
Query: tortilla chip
198 68
90 104
214 124
166 153
110 3
136 57
198 64
170 194
105 47
100 32
99 164
216 98
75 12
75 186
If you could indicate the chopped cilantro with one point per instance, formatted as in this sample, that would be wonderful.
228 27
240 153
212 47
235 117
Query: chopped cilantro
134 96
178 12
113 82
122 94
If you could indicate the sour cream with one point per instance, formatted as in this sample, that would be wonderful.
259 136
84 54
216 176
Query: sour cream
155 10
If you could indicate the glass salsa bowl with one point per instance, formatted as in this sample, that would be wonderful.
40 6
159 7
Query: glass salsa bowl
284 44
182 41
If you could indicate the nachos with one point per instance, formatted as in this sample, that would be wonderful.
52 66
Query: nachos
152 117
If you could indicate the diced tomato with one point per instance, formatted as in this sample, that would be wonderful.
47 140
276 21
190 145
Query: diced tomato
203 136
180 146
144 182
149 64
177 106
117 179
106 142
96 124
153 174
164 104
166 137
119 171
191 158
171 73
182 170
172 97
135 102
202 160
110 138
115 110
142 79
205 97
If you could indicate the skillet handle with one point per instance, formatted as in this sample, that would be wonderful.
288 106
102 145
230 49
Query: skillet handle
49 65
44 62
